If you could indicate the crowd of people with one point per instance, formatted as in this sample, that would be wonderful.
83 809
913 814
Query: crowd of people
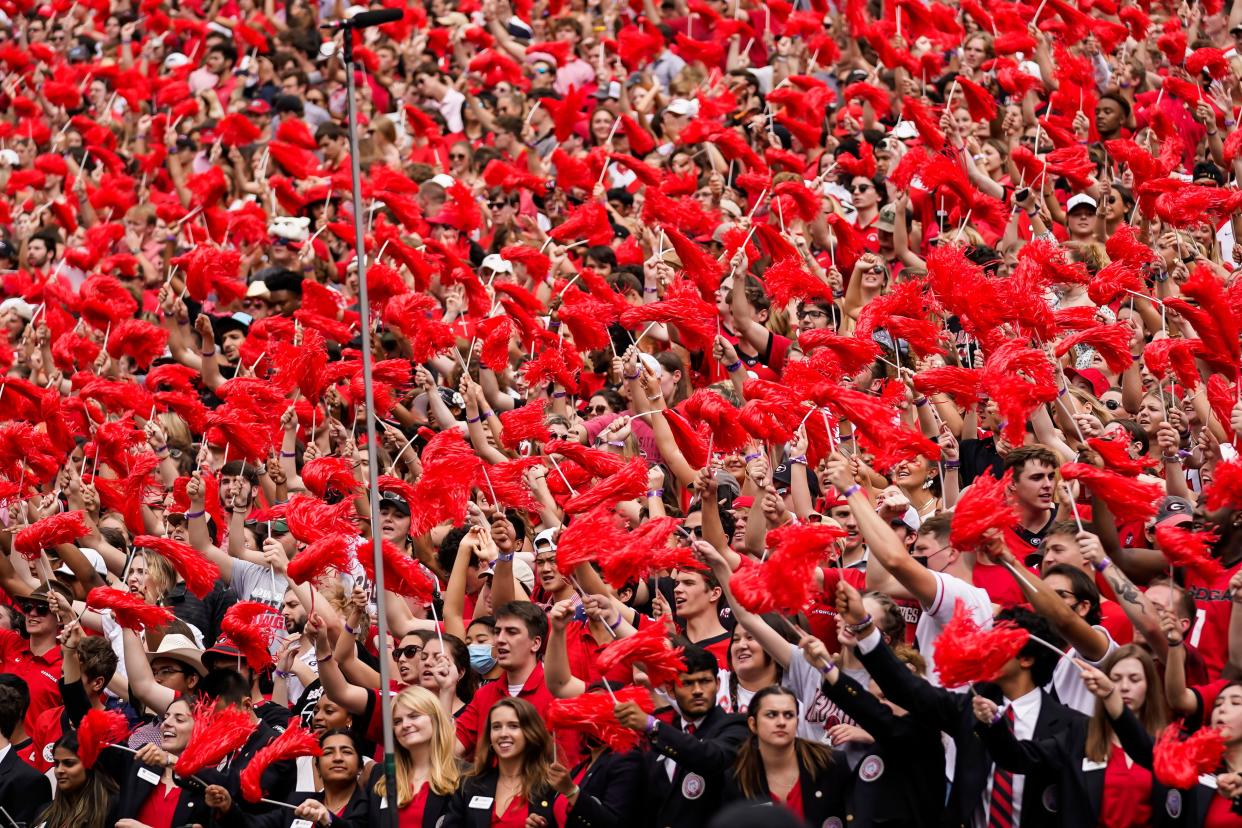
808 414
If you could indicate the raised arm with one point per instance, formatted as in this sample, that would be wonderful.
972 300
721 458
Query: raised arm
560 679
1086 639
769 639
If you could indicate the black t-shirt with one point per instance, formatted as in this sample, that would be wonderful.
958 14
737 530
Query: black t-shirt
979 457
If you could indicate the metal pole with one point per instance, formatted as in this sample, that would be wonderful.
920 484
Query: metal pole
390 764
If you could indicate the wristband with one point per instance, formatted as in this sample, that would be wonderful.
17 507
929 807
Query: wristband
952 465
560 395
1171 458
616 623
504 557
289 454
629 377
800 460
751 457
655 493
827 671
195 515
851 491
487 415
651 290
1104 564
736 366
1178 644
652 724
616 443
160 449
473 420
281 674
328 657
208 353
861 625
921 401
349 629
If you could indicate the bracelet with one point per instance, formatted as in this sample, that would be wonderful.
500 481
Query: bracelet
652 724
827 671
1104 564
208 353
616 443
655 493
348 628
195 515
503 557
328 657
1171 458
160 450
1178 644
921 401
736 366
487 415
656 398
752 457
1230 123
281 674
628 377
651 290
616 623
473 420
288 454
861 625
560 395
800 460
851 491
952 465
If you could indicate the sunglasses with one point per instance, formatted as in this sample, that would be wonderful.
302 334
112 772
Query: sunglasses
34 608
860 188
597 409
409 651
457 156
1112 405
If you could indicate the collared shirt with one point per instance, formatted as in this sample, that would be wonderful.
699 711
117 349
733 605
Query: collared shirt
40 673
1025 715
670 766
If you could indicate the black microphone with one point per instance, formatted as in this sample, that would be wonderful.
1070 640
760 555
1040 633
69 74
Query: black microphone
366 19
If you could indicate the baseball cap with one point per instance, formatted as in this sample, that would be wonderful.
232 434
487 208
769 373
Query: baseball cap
18 306
545 541
681 106
612 89
259 107
521 571
1098 382
1080 200
781 475
396 501
451 398
887 219
1173 510
175 60
497 263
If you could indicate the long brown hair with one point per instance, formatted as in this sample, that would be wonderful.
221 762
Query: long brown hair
748 769
87 807
1154 714
536 757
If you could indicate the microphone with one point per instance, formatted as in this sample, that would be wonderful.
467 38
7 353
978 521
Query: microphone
366 19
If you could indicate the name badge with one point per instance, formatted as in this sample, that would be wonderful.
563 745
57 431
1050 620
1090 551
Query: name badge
1088 765
1208 780
481 802
148 775
383 802
301 823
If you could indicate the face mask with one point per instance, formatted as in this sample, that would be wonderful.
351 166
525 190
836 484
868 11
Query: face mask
481 658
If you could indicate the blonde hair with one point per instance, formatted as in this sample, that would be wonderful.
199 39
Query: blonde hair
445 773
161 577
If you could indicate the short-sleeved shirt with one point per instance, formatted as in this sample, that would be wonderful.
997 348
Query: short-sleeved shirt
252 582
1067 678
949 590
40 673
1209 633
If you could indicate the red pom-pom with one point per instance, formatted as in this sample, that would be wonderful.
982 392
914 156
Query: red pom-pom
592 713
962 384
1192 550
1111 342
294 742
719 415
310 519
651 648
1115 454
402 574
332 552
982 511
1179 763
200 575
97 730
1225 490
253 639
325 474
784 582
49 532
524 423
218 731
966 654
627 484
1126 498
130 611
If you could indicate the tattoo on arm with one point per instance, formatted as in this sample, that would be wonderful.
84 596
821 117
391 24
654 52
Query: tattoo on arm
1125 590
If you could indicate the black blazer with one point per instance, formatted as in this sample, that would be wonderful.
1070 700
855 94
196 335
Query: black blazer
704 761
462 815
434 812
1081 790
137 782
609 793
825 793
356 814
278 782
954 714
24 792
901 780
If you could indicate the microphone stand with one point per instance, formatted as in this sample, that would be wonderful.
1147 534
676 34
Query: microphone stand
390 765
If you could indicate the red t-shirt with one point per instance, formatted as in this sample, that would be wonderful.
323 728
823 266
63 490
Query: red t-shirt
1127 793
40 673
1209 633
583 652
998 582
1113 618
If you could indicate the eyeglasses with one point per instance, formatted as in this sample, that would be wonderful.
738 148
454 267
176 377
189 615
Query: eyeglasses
860 188
542 70
409 651
34 608
812 314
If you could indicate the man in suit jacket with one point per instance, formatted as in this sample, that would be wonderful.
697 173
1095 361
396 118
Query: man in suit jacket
979 795
24 792
689 759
